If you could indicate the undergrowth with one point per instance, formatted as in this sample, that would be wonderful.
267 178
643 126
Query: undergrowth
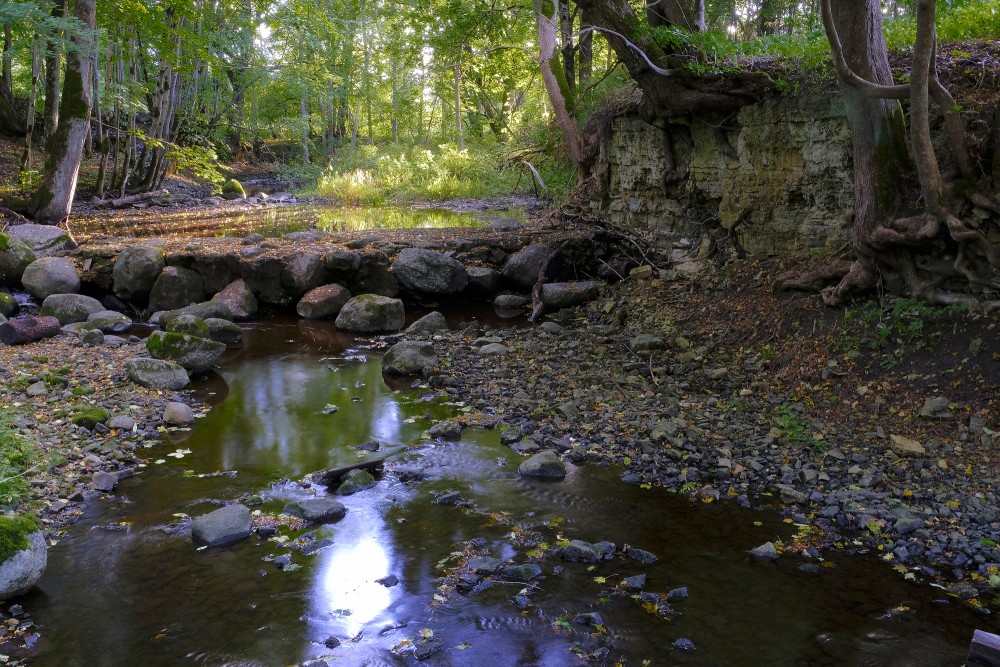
18 455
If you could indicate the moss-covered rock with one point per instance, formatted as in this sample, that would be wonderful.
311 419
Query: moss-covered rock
192 352
233 189
8 304
354 481
91 417
189 325
14 259
14 533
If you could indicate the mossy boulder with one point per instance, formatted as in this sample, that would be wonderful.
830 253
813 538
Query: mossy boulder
70 308
354 481
175 288
203 310
88 418
51 275
8 304
233 189
194 353
14 259
23 555
371 313
109 321
43 240
156 373
189 325
135 271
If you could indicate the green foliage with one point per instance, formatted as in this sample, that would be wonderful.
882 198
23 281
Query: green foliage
373 176
14 532
956 22
18 455
795 430
893 327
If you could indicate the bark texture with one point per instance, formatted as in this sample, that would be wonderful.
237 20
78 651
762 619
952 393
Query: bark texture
28 329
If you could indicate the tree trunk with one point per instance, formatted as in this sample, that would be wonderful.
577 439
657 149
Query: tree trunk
6 73
586 47
36 69
53 63
686 14
28 329
547 42
458 107
53 200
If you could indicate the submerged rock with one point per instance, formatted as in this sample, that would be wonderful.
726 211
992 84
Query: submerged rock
543 464
355 481
316 510
192 352
223 526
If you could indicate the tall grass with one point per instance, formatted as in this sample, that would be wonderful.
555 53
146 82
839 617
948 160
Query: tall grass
18 455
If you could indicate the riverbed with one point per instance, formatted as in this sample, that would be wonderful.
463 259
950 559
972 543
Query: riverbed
126 585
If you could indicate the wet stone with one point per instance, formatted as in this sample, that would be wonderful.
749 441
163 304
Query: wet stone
388 581
641 556
589 619
484 565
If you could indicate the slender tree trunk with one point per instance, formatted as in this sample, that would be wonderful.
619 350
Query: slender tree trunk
586 47
458 107
304 110
6 73
53 64
567 50
53 200
36 70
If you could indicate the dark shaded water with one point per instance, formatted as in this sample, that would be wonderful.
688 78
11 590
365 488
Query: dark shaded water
122 588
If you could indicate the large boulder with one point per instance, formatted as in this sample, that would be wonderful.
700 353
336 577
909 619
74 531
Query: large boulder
409 357
69 308
543 464
521 268
225 525
483 280
51 275
428 273
323 302
233 189
224 331
565 295
240 299
136 270
176 287
157 373
26 555
43 240
203 310
189 325
316 510
370 313
192 352
303 271
430 323
109 321
14 259
341 261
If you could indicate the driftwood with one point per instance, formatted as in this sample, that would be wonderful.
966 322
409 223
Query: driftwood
333 476
132 199
28 329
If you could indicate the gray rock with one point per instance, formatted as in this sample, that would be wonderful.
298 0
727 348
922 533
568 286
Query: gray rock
492 350
641 556
589 619
70 308
92 337
43 240
388 581
522 268
51 275
37 389
224 331
429 323
104 481
14 259
766 550
223 526
371 313
578 551
483 280
342 262
239 298
677 594
428 273
20 572
323 302
192 352
122 423
904 446
543 464
936 407
484 565
157 373
646 343
409 357
303 271
445 430
316 510
511 302
203 310
908 524
566 295
524 572
178 414
109 321
135 271
354 481
175 288
426 647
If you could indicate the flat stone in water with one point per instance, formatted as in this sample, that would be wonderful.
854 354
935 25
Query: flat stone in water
316 510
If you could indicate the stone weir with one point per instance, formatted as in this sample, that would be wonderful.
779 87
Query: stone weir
313 272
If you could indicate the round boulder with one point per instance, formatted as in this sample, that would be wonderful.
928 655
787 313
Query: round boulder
428 273
69 308
316 510
194 353
8 304
323 302
429 323
522 267
224 331
225 525
189 325
51 275
371 313
26 556
157 373
14 259
178 414
543 464
135 271
409 357
42 239
303 271
176 287
238 296
109 321
565 295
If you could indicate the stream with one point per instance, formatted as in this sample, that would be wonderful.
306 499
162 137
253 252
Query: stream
126 586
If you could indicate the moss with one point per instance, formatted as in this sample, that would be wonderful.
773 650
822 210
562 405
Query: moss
17 455
4 241
233 187
91 417
14 533
166 345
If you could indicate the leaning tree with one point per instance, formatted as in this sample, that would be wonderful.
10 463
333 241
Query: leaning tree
914 230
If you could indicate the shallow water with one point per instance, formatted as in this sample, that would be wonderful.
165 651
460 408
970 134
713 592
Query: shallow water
274 221
124 587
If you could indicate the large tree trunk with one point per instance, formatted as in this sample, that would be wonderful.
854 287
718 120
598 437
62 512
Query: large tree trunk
686 14
53 63
547 42
53 200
